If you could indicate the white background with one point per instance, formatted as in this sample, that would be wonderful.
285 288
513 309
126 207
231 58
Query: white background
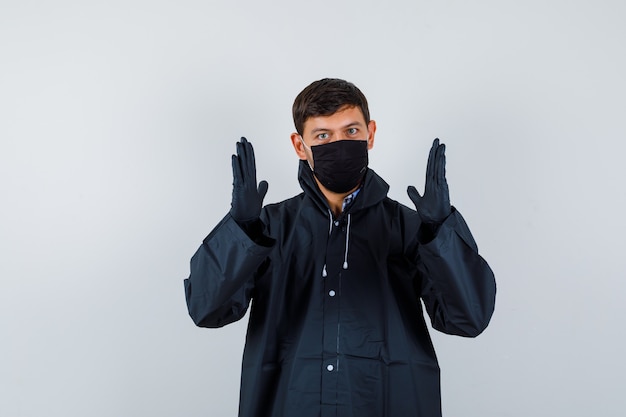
117 122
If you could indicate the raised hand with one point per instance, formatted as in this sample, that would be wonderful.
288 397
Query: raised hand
247 197
434 206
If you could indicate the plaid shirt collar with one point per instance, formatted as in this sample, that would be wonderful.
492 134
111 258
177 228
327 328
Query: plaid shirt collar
349 199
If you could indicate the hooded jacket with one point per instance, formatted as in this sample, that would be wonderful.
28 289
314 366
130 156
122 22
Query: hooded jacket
336 326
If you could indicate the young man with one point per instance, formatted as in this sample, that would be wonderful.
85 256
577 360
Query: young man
336 275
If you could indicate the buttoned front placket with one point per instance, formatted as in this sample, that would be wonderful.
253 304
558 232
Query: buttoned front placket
331 365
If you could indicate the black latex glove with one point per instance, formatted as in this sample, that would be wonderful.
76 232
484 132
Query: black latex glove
434 206
247 198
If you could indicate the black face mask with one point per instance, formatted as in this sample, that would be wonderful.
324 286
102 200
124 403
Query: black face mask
340 166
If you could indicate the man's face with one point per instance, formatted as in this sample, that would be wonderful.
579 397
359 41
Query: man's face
347 123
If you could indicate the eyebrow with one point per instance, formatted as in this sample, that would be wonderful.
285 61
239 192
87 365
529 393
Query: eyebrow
349 125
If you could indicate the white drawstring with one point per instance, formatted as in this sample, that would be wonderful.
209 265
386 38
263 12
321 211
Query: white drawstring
330 230
330 222
345 258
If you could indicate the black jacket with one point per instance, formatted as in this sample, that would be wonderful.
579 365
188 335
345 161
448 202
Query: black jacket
336 325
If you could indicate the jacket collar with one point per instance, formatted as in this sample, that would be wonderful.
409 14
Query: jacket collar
373 191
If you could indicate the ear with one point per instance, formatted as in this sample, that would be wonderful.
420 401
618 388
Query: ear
371 132
298 146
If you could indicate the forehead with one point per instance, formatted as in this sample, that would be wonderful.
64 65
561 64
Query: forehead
345 116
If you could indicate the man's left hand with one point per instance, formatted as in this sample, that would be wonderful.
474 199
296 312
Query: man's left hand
434 206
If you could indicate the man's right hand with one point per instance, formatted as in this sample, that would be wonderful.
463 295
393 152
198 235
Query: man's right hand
247 197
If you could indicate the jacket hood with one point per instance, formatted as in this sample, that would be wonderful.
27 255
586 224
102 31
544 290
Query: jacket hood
374 189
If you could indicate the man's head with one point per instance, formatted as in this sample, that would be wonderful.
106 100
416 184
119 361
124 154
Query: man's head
325 97
329 110
334 133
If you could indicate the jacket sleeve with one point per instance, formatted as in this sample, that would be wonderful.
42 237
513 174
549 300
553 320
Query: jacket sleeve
223 270
457 285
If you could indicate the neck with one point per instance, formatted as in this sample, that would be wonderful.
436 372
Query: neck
334 200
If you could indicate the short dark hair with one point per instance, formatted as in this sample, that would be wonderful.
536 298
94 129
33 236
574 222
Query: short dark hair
325 97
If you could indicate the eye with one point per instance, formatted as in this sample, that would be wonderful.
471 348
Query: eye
353 131
323 136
